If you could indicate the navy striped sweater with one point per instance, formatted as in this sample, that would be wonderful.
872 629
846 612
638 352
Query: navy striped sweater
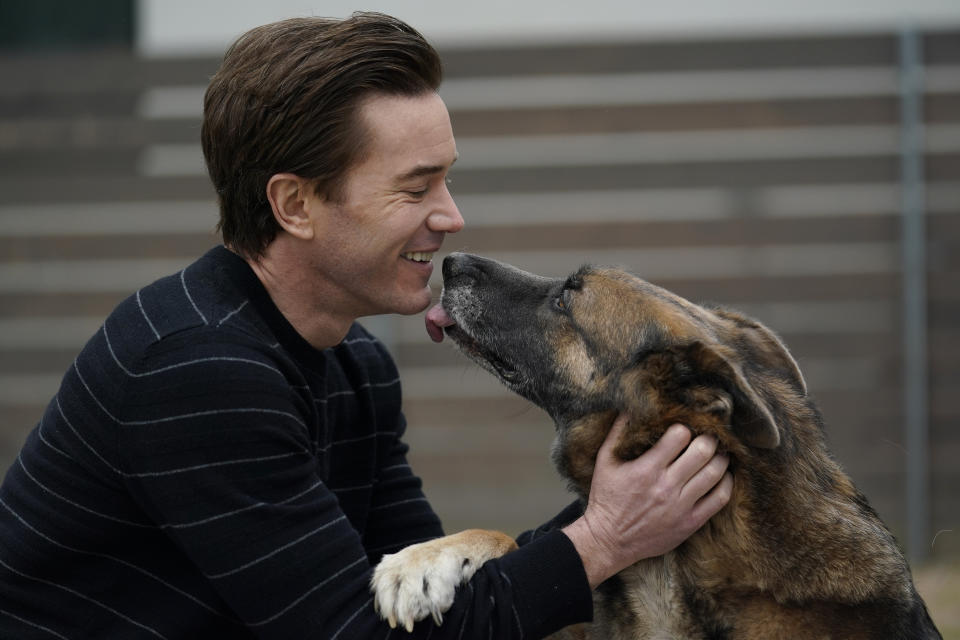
203 472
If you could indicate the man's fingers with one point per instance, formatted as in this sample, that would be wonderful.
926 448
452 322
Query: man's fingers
705 479
669 446
711 503
613 436
691 461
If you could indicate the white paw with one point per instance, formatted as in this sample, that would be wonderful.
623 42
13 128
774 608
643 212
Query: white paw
418 581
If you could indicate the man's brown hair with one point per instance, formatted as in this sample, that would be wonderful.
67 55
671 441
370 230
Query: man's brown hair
287 98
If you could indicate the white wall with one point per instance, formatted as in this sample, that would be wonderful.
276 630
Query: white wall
182 27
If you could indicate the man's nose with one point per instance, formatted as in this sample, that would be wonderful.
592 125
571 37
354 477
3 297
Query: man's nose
446 216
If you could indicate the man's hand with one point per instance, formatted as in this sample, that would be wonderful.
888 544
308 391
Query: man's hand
646 507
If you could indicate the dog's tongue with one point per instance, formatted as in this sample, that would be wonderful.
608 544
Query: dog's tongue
437 318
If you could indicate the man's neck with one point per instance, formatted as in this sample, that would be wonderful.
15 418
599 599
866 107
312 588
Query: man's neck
294 292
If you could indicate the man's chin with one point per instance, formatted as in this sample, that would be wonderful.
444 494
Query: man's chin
413 304
421 307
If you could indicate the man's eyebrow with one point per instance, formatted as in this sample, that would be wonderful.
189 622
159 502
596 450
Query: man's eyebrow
425 170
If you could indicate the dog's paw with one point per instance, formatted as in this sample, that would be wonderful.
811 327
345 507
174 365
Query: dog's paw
421 580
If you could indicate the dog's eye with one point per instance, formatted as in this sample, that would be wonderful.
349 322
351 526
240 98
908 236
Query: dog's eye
561 302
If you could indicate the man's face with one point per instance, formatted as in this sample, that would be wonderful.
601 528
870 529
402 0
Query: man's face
375 246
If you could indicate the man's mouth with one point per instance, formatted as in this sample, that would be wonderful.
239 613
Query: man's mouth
418 256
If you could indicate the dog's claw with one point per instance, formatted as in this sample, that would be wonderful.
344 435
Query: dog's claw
392 621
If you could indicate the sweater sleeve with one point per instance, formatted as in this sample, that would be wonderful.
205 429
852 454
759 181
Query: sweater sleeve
570 513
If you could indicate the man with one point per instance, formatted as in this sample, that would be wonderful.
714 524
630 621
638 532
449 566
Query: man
224 458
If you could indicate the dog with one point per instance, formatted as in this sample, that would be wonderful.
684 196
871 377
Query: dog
797 552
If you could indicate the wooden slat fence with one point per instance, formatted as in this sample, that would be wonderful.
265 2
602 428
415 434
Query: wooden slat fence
757 173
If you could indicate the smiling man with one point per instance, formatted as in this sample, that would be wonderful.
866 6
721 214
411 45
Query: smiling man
224 459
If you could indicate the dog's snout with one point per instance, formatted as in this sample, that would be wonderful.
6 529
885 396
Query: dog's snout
461 264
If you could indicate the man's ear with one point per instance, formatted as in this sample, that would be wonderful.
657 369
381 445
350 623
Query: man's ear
288 196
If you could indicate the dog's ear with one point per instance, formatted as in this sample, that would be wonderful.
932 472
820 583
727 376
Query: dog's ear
750 416
767 347
707 380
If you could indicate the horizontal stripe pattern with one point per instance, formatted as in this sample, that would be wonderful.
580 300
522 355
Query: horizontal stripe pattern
608 89
798 259
493 209
633 148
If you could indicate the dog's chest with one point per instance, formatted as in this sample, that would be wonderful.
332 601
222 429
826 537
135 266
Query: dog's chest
643 602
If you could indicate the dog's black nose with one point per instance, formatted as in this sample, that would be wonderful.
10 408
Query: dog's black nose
457 264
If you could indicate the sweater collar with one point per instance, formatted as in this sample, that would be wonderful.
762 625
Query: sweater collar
247 282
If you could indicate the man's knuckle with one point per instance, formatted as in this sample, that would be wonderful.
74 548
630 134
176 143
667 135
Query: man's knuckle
703 448
642 473
716 469
725 491
661 494
722 494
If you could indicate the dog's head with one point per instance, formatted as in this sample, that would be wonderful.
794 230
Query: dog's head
603 341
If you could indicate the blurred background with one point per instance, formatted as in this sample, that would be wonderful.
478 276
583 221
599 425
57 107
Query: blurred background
797 161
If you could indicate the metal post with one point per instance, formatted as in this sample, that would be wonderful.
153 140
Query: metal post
913 232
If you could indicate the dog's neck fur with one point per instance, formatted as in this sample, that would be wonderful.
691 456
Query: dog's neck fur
754 548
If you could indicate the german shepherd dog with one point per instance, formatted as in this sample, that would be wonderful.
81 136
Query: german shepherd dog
797 552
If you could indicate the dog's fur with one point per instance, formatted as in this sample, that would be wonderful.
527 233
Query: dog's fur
797 553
